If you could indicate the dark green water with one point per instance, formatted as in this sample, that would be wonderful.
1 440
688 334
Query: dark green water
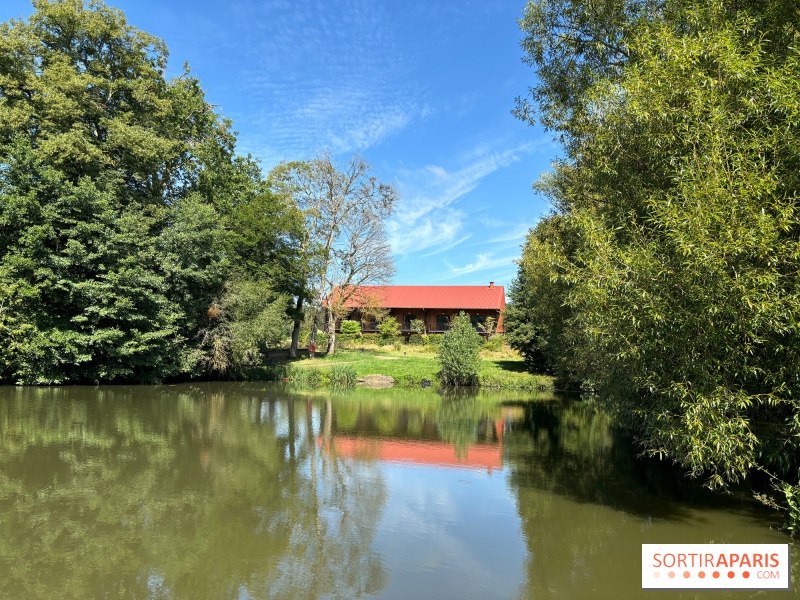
242 491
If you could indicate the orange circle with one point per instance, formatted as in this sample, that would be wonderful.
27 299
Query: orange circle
701 574
672 574
656 575
715 574
746 574
686 574
731 574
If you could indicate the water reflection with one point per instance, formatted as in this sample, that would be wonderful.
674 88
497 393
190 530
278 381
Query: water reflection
256 491
201 492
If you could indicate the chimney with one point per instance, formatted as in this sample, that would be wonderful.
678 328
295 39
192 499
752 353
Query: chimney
491 285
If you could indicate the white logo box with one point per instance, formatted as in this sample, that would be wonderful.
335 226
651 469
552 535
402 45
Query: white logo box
716 567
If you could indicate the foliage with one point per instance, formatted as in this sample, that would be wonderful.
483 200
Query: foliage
416 339
389 328
459 352
668 272
248 319
123 206
342 376
418 326
494 343
349 331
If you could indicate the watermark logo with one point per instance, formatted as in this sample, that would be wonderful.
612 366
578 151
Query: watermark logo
716 567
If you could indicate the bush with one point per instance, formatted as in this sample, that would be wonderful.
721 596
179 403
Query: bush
389 329
371 338
459 353
418 326
350 331
416 339
494 343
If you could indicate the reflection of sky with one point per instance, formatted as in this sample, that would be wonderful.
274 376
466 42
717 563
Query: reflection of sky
449 533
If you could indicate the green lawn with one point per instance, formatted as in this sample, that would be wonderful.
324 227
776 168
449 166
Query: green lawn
501 372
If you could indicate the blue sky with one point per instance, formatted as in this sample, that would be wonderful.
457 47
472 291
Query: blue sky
422 89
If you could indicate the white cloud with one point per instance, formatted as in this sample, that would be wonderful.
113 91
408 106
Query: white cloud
514 233
427 217
333 75
481 262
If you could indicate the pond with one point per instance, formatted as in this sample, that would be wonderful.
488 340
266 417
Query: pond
228 490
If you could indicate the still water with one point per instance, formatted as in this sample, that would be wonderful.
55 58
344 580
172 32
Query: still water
236 491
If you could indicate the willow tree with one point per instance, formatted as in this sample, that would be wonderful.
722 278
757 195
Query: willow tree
680 186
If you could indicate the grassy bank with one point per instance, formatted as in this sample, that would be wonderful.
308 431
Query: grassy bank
500 370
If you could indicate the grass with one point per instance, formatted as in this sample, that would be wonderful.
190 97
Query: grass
411 364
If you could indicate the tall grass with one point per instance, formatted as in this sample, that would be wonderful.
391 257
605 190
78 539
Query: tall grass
342 376
306 376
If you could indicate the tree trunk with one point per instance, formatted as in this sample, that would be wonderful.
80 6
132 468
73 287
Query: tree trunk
331 334
296 329
313 339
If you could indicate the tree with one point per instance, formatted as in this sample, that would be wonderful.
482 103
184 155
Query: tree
459 352
344 247
389 328
680 183
119 193
418 326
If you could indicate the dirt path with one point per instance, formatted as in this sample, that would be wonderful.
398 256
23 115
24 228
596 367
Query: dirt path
326 364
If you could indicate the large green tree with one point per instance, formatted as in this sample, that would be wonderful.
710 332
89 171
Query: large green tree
122 203
680 188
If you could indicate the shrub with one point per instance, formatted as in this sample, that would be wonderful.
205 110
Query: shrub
389 328
350 330
371 338
494 343
416 339
459 353
418 326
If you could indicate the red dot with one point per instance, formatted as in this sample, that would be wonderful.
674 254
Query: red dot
701 574
686 574
671 574
731 574
716 574
746 574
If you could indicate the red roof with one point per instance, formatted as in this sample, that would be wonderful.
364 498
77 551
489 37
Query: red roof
439 454
434 296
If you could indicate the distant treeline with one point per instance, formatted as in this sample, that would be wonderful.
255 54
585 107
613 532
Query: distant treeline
667 275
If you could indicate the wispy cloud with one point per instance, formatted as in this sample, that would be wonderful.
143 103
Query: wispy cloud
513 234
429 217
481 262
448 246
334 75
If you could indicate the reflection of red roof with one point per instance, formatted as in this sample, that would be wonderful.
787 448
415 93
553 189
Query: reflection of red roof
433 296
427 453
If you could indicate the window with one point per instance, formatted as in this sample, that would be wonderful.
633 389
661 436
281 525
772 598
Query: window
442 322
478 321
407 321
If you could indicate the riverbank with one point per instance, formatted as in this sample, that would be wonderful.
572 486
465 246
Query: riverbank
500 370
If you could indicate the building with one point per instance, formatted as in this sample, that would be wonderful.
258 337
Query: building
434 305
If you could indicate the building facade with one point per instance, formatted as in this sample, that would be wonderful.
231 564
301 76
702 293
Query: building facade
434 305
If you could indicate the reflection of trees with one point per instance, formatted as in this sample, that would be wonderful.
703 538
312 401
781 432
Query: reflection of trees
177 492
585 501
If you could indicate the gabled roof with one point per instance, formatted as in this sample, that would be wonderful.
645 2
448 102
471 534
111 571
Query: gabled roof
433 296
